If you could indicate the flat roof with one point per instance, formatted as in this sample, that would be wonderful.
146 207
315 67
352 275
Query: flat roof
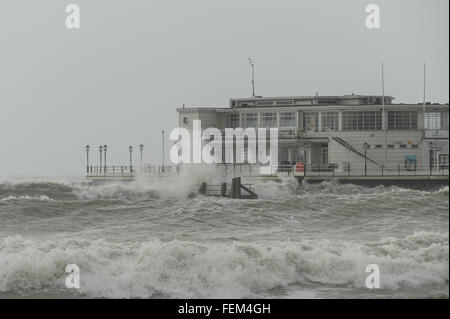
310 106
308 97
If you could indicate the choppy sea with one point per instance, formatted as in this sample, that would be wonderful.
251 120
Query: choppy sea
150 239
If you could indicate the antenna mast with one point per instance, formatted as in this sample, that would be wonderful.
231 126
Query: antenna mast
253 76
423 105
384 117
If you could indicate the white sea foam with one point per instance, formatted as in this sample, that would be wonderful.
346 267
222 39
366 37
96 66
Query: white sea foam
27 198
190 269
443 190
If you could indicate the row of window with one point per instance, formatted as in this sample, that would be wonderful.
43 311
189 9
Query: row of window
362 121
434 120
391 146
351 120
401 120
287 120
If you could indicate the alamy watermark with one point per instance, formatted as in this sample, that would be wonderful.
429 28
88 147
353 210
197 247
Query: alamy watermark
373 19
73 16
72 21
73 279
373 279
236 146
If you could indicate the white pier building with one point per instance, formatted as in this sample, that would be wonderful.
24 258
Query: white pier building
348 133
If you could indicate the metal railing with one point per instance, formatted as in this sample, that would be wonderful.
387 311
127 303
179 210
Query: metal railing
131 171
371 171
256 170
330 170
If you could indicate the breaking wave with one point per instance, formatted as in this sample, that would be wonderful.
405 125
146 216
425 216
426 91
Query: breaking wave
77 188
443 190
26 197
185 269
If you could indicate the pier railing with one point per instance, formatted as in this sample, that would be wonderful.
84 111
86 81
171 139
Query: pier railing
256 170
330 170
376 171
131 171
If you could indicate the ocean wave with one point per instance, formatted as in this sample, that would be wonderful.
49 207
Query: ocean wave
443 190
43 198
184 269
182 186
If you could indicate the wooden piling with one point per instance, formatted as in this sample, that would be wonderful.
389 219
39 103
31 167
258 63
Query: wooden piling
202 189
223 189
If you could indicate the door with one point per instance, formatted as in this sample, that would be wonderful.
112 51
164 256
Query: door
325 156
434 158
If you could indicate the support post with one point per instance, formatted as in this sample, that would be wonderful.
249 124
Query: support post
223 189
202 189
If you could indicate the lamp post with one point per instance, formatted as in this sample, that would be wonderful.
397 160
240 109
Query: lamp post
105 147
87 158
101 151
141 148
365 146
131 158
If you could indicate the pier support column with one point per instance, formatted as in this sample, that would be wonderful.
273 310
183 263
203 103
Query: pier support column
235 188
202 189
223 189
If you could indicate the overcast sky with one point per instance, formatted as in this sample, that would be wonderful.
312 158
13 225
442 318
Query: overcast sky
118 79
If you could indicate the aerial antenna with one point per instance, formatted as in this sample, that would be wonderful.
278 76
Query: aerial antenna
384 117
253 76
424 81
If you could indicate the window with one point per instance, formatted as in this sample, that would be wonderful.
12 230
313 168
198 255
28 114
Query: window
432 121
326 102
250 120
310 120
268 120
284 102
245 103
325 156
264 103
330 121
287 119
303 102
362 120
402 120
233 120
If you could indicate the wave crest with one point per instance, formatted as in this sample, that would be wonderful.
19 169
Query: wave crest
184 269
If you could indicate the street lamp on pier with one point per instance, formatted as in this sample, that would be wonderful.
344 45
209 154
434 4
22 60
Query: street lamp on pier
101 151
141 148
131 158
87 158
105 147
163 151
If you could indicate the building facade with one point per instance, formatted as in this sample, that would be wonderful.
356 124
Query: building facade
346 132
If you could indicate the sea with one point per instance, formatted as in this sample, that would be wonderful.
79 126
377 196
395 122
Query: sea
157 238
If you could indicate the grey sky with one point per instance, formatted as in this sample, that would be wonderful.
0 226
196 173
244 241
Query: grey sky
119 78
